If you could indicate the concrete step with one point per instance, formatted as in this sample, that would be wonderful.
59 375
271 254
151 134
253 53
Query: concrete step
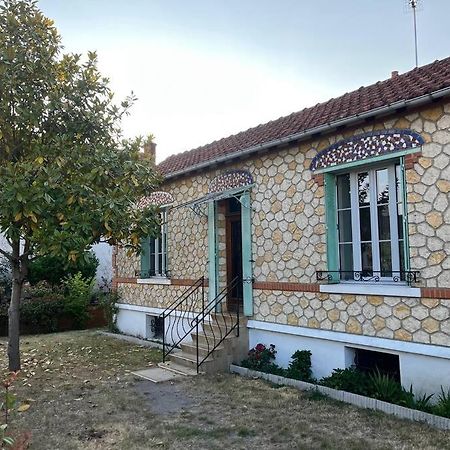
207 338
227 318
177 368
190 361
202 350
218 330
221 362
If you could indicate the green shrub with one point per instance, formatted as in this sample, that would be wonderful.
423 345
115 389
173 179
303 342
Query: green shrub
350 380
78 292
42 314
300 366
443 405
43 290
54 269
109 300
261 358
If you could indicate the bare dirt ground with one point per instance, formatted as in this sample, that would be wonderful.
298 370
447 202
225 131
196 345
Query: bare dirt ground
82 396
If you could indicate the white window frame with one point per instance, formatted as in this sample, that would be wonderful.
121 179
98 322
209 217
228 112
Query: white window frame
355 220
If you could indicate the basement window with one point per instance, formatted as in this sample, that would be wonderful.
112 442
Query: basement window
370 361
155 327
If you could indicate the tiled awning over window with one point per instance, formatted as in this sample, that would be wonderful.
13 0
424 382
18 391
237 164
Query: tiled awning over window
226 185
367 145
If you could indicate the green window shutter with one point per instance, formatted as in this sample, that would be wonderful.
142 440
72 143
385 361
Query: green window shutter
212 251
145 257
331 225
247 275
405 214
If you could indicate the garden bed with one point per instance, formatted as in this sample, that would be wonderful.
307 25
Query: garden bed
354 399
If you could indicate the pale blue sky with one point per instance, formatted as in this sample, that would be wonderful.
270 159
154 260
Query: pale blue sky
204 69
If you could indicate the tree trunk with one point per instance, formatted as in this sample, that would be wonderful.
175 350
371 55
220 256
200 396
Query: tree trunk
13 311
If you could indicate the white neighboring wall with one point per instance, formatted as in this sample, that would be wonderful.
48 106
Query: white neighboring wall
103 252
4 243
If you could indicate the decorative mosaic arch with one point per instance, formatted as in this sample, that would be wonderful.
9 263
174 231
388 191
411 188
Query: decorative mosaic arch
229 180
366 145
157 198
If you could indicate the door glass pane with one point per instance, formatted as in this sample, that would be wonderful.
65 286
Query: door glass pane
343 191
363 188
366 257
398 184
382 186
402 257
400 220
160 263
364 222
385 259
346 261
345 225
384 226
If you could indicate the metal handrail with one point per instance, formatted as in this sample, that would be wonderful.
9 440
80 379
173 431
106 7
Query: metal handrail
225 328
186 304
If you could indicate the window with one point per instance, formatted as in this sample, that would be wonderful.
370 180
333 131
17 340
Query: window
154 257
155 327
370 224
371 362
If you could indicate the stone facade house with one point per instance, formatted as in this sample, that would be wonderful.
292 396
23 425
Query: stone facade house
328 230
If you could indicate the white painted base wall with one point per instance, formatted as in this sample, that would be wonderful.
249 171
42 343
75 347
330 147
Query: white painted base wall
135 321
426 367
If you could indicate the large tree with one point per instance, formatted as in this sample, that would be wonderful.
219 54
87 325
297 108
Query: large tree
67 177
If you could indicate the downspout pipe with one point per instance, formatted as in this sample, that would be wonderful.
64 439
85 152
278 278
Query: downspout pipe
303 135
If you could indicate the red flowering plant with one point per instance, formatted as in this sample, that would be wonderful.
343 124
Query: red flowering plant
261 358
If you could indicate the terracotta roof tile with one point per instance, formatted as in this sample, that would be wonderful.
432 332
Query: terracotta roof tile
415 83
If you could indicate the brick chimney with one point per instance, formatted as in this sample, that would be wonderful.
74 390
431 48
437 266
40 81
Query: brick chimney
394 74
149 151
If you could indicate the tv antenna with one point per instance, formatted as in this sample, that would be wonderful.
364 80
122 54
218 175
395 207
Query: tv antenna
414 5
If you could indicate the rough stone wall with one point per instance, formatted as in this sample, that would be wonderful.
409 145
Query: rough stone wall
408 319
428 198
156 296
289 245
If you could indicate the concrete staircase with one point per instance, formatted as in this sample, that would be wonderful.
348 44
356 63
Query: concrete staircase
232 349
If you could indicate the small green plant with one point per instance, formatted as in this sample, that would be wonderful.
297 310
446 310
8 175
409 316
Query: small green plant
349 379
316 395
300 366
443 405
385 388
78 291
261 358
421 403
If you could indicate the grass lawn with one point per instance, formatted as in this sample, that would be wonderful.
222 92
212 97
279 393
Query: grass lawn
83 396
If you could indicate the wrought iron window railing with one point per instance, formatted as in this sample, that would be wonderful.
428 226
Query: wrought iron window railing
150 274
397 276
